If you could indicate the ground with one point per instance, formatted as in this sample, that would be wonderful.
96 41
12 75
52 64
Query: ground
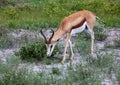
112 34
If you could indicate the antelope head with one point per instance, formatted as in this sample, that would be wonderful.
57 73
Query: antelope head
49 44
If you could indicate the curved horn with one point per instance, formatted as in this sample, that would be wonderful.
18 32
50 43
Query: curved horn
51 35
43 35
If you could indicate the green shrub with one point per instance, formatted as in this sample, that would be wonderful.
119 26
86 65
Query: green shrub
56 71
100 33
6 42
102 61
100 36
4 38
82 76
34 51
3 31
4 2
19 77
7 2
11 12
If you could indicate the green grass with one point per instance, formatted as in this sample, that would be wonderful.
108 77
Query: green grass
44 13
81 74
11 75
5 38
117 42
56 71
118 74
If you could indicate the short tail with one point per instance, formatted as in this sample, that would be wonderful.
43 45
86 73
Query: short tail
100 20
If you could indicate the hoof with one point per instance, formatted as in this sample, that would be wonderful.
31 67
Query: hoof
71 57
91 54
62 62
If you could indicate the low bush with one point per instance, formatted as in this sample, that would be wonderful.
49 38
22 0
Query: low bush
6 42
34 51
56 71
100 33
4 2
83 76
3 31
100 62
4 38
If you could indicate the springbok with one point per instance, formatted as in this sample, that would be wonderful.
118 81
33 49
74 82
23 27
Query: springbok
74 23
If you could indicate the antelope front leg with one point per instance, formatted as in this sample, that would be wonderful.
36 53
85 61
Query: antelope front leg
92 44
71 54
66 45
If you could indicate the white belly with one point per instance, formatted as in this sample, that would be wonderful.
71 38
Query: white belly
79 29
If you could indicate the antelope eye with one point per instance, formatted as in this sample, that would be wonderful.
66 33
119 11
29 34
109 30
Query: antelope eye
58 40
51 46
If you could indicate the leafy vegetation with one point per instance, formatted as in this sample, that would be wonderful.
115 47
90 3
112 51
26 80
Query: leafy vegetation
10 75
35 51
101 63
4 38
56 71
6 42
83 76
82 73
100 33
34 14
